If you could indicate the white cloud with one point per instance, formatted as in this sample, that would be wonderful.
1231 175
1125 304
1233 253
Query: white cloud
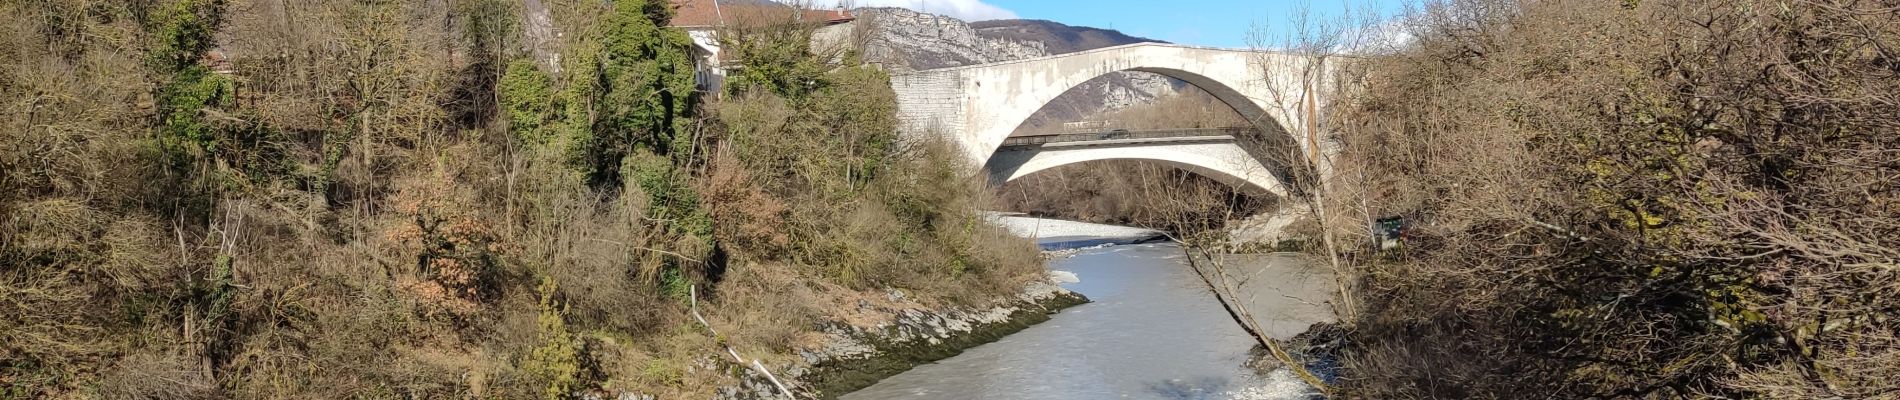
967 10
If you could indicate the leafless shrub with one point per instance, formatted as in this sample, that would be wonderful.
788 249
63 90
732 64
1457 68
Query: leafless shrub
1647 199
148 376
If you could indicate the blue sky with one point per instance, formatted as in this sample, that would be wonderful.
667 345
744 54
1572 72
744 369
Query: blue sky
1221 23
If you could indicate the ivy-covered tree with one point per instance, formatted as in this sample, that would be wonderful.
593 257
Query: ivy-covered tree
198 121
645 78
181 33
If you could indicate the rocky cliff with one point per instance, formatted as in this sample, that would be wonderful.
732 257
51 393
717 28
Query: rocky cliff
905 40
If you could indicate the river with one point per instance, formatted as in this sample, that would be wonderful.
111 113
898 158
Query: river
1153 331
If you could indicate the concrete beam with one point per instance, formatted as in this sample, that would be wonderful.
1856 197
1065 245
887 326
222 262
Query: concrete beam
1224 161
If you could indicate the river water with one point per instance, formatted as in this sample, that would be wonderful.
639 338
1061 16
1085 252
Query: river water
1153 331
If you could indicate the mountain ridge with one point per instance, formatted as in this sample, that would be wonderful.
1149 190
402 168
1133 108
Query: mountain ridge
906 40
1061 38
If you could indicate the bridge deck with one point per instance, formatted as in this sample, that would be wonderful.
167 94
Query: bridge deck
1121 137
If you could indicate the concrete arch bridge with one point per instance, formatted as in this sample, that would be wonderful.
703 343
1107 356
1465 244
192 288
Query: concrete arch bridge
977 107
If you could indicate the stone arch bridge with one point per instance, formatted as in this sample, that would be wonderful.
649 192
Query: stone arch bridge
977 107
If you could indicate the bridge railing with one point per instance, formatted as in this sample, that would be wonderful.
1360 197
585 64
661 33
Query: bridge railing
1121 134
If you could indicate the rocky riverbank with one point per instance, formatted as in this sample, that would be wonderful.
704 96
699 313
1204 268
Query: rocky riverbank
856 354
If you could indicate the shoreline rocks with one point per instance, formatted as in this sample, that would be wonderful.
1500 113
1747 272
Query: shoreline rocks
855 357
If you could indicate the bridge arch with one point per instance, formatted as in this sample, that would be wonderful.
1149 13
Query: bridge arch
979 106
1013 115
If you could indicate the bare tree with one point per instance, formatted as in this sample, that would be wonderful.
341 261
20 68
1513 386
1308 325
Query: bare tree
1309 71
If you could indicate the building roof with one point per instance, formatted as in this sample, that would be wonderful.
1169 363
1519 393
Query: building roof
714 13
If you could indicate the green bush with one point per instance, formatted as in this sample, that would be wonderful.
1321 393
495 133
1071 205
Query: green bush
557 360
527 99
183 31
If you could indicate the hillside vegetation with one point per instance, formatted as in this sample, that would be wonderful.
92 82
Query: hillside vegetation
347 199
1634 199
